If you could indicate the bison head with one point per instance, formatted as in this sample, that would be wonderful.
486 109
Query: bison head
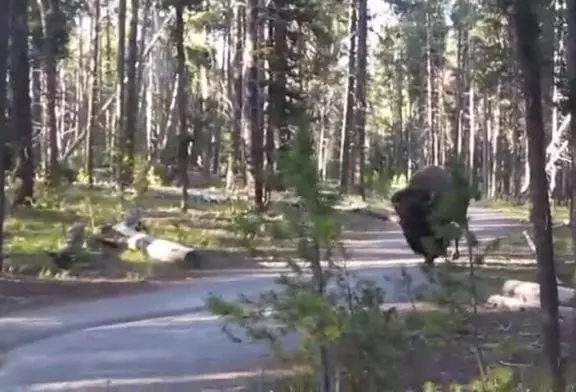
409 201
414 207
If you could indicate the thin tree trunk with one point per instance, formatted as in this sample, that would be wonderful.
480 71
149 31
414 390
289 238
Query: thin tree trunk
361 92
182 107
94 79
252 128
527 33
4 30
49 17
21 104
131 110
347 125
121 91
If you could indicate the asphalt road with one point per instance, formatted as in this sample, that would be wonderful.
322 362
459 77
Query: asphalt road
166 341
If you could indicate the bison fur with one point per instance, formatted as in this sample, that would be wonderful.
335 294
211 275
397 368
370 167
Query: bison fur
427 208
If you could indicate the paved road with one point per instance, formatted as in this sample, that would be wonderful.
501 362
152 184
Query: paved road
163 341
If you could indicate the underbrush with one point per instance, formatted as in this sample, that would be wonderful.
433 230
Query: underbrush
353 339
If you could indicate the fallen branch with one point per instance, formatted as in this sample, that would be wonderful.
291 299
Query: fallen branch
565 313
530 241
67 255
530 291
155 249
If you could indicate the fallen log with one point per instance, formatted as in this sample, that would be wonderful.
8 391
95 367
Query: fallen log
565 313
530 291
510 303
156 249
364 210
67 255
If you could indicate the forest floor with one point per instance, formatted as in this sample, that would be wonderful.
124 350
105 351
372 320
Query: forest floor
30 279
214 230
506 345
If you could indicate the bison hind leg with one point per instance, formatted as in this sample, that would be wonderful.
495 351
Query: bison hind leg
455 253
429 260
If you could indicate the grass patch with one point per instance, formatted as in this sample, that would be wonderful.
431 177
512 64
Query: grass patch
516 244
522 210
31 232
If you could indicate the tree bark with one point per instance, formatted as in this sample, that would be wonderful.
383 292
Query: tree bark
131 110
49 11
4 31
94 79
252 128
527 37
361 92
182 107
347 125
21 103
121 91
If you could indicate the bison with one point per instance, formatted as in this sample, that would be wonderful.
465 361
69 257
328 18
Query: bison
430 204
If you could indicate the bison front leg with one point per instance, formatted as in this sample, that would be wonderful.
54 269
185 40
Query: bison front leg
456 251
429 260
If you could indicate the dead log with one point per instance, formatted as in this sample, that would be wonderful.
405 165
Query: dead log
530 291
566 313
68 254
510 303
156 249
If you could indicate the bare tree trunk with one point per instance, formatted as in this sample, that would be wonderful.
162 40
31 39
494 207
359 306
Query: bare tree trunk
4 30
235 156
131 111
471 114
95 78
252 128
571 63
361 92
120 144
21 103
182 107
527 33
49 17
347 125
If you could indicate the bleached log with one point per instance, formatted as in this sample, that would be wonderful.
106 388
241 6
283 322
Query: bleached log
530 291
510 303
565 313
156 249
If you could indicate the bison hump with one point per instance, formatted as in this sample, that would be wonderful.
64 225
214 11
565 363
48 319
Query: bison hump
432 178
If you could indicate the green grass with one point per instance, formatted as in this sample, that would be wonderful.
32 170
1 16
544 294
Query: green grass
31 232
522 210
517 244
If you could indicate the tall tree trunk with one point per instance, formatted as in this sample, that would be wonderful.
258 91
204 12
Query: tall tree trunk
4 31
252 129
361 92
94 79
527 33
182 106
431 136
471 114
235 156
49 18
348 123
277 121
131 110
120 145
571 63
21 103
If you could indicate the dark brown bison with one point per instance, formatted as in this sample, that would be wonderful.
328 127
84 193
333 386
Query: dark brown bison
428 208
